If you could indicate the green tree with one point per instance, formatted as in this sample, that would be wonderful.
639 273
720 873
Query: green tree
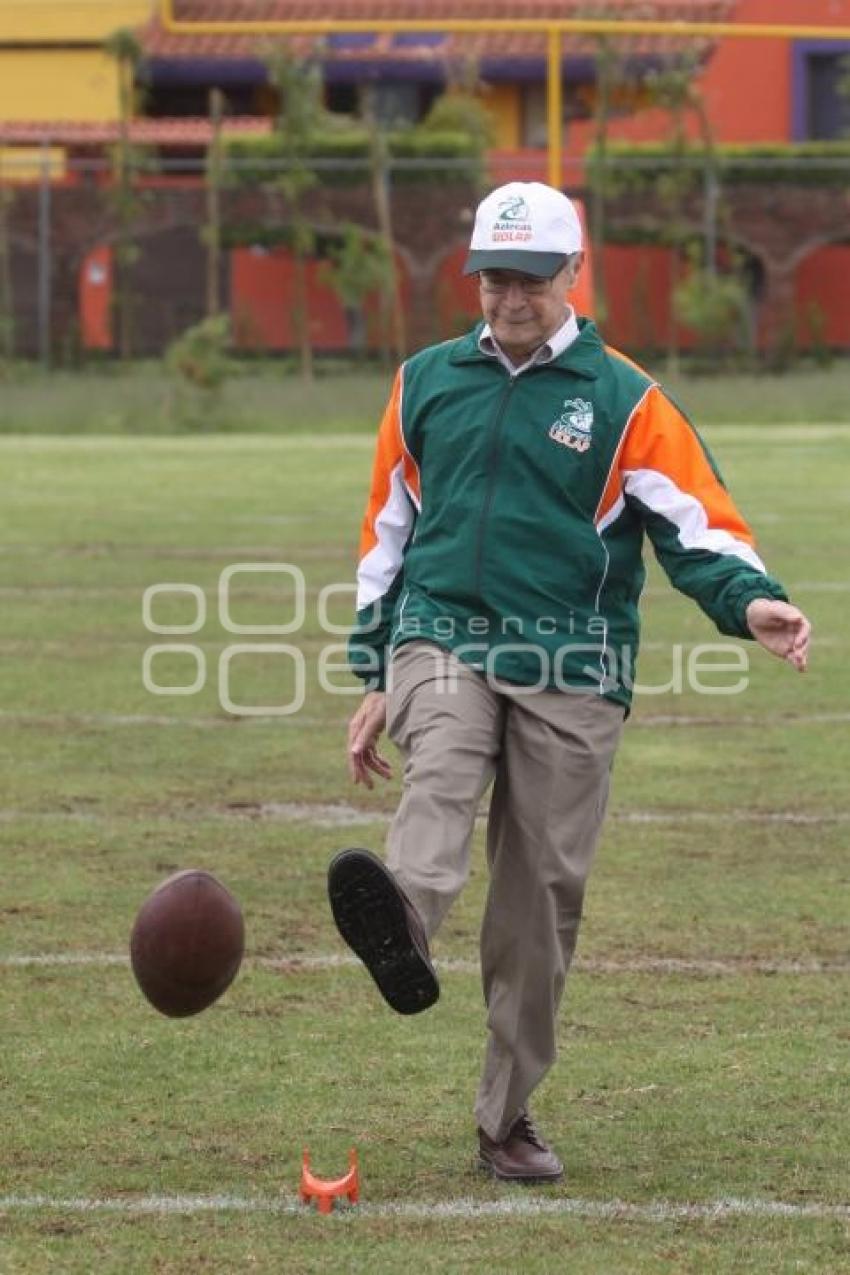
199 364
713 305
844 92
609 62
124 48
7 299
211 235
360 266
462 113
390 293
300 111
610 57
618 85
676 91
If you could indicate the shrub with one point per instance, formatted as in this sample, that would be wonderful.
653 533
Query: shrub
199 364
257 157
712 305
639 166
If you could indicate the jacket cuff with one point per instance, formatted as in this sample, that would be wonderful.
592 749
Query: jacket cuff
375 682
369 663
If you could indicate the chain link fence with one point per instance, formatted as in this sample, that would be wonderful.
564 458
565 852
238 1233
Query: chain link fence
68 248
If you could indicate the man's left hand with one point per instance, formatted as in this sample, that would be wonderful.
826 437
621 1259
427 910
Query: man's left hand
781 629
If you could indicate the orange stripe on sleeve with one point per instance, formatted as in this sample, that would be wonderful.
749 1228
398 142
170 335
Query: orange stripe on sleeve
661 440
389 452
612 493
613 487
613 490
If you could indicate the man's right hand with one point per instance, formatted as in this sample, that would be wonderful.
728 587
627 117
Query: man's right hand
364 730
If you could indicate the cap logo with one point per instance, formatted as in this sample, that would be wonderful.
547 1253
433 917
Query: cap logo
514 209
513 225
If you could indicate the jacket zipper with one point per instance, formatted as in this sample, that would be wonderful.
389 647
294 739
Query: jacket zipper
492 468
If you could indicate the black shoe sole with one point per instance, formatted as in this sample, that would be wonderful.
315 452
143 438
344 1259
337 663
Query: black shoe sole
368 908
551 1179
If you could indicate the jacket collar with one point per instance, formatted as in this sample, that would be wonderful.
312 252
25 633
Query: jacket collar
584 357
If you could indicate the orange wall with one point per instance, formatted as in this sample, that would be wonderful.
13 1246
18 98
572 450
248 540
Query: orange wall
637 279
95 299
823 280
262 291
638 286
638 283
747 83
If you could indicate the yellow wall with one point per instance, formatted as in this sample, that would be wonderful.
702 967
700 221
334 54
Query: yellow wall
27 163
66 21
504 104
75 82
57 84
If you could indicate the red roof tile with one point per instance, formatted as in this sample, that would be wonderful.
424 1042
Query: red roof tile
256 10
158 42
188 131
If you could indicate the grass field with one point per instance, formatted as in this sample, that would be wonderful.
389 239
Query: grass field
705 1033
269 397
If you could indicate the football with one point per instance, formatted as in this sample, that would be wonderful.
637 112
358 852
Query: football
187 943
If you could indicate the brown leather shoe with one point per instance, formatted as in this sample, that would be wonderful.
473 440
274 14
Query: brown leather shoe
381 925
522 1156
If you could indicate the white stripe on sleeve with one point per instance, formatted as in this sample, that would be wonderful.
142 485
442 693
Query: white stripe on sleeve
393 525
659 493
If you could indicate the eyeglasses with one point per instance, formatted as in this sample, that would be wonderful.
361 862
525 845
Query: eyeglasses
499 282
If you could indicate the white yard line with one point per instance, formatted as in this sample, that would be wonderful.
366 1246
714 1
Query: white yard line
731 816
794 586
598 965
31 592
250 442
322 814
727 723
154 719
340 551
304 961
339 815
74 593
788 431
514 1205
689 646
328 815
300 720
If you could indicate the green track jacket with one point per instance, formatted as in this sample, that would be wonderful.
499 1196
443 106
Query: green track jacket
507 516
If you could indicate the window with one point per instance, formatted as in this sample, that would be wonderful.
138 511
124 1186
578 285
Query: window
169 100
397 103
820 90
342 99
828 96
535 113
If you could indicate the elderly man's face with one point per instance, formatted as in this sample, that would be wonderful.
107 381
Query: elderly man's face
524 311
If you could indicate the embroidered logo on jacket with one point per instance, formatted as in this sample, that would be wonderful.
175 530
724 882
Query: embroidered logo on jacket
574 426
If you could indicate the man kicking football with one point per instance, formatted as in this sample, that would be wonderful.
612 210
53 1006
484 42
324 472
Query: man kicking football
518 470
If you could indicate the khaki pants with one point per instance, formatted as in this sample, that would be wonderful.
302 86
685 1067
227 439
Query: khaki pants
549 756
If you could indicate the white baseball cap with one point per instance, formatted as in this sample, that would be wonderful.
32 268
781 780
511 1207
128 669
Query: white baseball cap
524 226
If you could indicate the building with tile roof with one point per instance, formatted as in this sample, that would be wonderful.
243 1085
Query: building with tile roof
59 117
59 45
407 70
